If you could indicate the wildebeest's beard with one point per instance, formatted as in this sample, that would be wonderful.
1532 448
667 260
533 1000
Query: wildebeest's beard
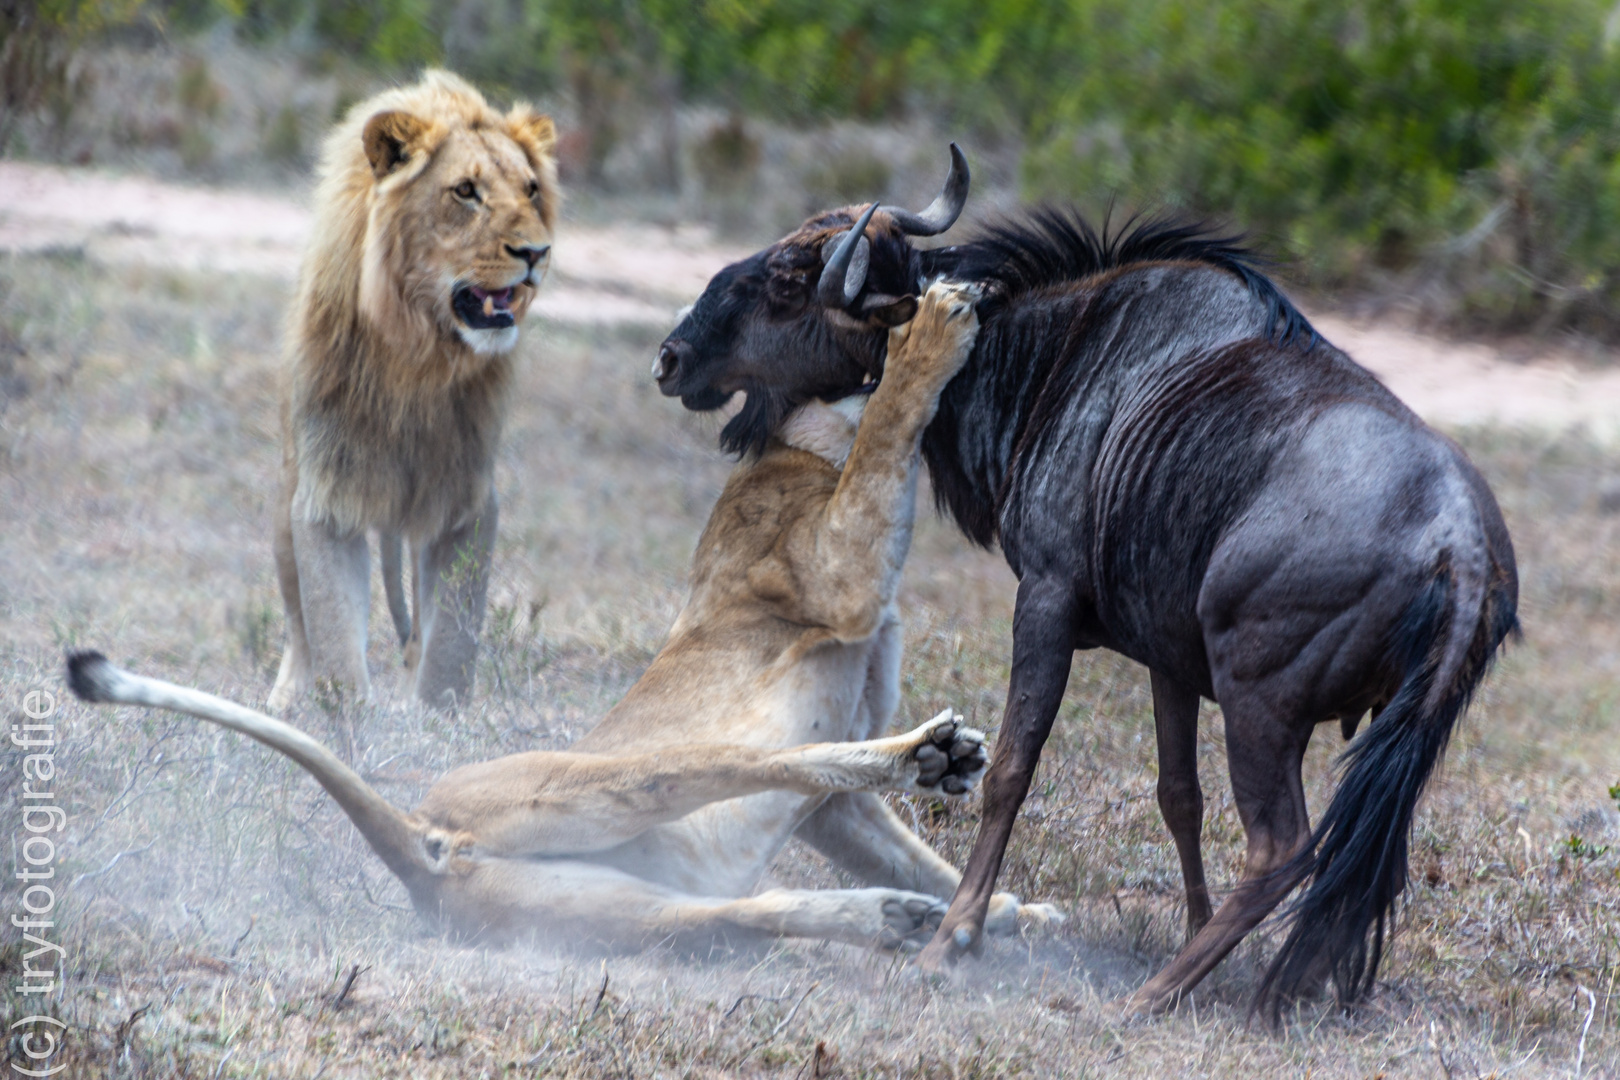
790 365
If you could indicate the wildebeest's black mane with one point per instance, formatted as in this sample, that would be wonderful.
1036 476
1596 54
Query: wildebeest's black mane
1051 245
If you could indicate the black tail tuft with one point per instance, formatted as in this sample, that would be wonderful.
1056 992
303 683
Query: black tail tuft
1356 860
86 675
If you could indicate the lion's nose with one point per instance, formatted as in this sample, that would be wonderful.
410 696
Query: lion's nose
530 255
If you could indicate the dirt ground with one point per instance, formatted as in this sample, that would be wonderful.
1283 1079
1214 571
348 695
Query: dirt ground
214 902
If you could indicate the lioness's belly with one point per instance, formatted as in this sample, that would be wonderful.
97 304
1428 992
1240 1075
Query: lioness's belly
836 693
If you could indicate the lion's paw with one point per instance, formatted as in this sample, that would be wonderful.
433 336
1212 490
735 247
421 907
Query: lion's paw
935 344
950 759
909 919
1007 916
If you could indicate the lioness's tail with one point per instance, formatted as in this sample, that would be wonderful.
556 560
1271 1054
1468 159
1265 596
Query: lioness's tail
391 834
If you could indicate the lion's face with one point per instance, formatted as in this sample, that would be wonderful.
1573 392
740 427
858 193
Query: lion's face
460 228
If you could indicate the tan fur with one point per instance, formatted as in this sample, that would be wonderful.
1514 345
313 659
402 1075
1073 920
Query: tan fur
393 404
759 719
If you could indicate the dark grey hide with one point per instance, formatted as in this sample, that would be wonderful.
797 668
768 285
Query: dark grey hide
1178 468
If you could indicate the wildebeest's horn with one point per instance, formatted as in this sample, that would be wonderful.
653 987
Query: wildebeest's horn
943 211
845 271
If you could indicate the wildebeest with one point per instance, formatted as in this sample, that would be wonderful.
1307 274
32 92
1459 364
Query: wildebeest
1178 468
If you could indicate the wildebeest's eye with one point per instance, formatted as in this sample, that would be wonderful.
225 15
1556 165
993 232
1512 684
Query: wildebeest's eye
534 188
466 190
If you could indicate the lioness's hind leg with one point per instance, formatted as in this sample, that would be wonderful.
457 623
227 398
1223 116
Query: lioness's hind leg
453 572
577 898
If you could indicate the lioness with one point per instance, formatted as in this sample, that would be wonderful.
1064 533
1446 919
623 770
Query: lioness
662 819
433 224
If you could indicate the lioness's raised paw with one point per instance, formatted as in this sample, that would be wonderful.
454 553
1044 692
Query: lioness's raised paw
949 757
935 344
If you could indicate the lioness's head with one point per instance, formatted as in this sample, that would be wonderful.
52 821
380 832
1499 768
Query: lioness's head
438 211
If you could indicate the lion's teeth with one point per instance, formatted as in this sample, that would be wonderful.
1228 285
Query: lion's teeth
489 306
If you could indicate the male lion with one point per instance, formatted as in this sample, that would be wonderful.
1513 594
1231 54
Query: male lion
659 821
433 223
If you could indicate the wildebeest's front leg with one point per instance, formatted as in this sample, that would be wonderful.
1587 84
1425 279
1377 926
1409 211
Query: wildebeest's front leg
1181 800
452 572
1043 646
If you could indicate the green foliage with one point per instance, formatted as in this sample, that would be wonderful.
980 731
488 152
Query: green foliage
1577 848
1477 140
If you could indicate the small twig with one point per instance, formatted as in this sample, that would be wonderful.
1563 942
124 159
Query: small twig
1434 1041
348 984
600 993
237 944
121 1036
111 863
1591 1007
365 887
779 1028
219 1070
538 1054
735 1005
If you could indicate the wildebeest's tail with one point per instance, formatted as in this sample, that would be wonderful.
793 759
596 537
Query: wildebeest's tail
394 836
1356 861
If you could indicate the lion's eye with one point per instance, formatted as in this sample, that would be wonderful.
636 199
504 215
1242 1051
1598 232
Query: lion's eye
466 190
534 188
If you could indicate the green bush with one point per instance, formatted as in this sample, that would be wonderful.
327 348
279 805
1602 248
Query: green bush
1473 141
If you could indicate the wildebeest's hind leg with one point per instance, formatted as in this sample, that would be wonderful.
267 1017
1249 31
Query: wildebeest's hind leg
1043 649
1181 799
1265 748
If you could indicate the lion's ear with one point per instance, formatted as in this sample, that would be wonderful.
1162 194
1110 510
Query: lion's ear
533 130
390 137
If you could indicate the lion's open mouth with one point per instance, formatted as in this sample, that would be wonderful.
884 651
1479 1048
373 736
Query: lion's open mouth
483 309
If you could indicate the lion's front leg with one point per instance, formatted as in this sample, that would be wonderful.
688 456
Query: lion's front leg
293 678
452 572
334 593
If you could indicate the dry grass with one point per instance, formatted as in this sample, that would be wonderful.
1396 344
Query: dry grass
137 455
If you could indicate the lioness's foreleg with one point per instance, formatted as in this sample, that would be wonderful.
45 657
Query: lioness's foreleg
849 561
452 574
550 803
333 582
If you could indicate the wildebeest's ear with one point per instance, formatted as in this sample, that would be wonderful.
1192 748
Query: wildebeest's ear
390 137
889 311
